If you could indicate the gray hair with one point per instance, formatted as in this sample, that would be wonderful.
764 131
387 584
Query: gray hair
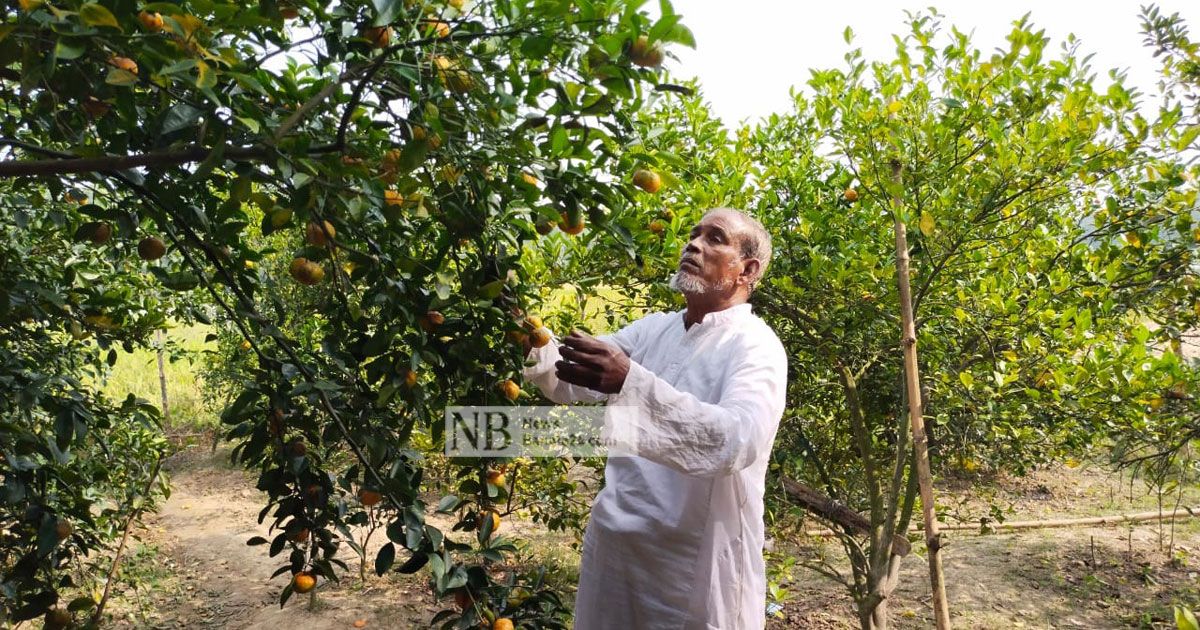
755 241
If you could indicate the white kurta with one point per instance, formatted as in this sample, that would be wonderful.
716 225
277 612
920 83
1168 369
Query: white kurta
676 536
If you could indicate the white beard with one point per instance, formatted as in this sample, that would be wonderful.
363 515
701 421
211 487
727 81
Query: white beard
688 283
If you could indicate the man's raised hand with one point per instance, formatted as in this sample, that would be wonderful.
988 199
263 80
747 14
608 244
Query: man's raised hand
591 363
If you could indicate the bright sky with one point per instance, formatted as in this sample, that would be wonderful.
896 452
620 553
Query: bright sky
749 53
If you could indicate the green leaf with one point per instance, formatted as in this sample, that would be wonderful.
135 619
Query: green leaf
967 379
537 46
250 123
93 14
206 77
65 50
117 76
385 558
1184 619
386 11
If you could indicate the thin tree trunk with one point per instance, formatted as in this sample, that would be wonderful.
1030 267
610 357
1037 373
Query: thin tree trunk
162 377
117 557
913 388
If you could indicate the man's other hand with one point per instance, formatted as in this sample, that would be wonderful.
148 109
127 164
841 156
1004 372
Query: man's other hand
591 363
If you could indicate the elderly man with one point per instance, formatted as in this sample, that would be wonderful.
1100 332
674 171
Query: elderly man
675 538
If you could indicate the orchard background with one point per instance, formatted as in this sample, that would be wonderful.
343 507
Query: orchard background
294 232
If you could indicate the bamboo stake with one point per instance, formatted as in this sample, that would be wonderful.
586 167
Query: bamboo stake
1111 519
162 377
941 610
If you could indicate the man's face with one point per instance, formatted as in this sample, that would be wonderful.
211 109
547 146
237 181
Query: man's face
712 260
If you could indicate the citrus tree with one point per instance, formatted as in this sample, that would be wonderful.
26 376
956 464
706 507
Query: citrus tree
78 466
1047 234
349 186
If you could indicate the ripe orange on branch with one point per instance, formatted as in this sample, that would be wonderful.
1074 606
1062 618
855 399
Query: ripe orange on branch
369 498
151 21
124 63
151 248
306 272
379 36
850 195
510 390
539 337
319 234
304 582
647 180
643 53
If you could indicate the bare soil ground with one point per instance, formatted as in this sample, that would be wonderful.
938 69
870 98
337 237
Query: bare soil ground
1081 577
193 568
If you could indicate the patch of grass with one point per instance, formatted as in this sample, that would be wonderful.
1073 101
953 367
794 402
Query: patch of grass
137 373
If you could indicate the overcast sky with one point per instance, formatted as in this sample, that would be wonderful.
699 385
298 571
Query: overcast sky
749 52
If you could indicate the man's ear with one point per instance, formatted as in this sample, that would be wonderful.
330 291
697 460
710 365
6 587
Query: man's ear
749 270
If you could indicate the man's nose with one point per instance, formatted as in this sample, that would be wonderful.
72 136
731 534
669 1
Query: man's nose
691 247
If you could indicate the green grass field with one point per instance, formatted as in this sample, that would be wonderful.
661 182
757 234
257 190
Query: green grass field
137 373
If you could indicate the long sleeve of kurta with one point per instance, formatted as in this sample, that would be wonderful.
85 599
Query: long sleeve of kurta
541 373
678 430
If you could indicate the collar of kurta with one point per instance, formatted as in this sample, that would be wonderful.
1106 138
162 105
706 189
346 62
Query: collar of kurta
717 318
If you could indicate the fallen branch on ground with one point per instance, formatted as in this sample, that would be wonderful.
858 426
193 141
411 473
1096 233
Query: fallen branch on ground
991 527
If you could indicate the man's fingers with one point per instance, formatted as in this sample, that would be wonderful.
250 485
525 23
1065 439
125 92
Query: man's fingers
584 342
576 374
576 356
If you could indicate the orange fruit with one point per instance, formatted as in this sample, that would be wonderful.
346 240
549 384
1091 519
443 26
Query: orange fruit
533 322
539 337
529 178
410 379
306 272
297 448
643 53
647 180
124 63
543 227
510 389
850 195
431 320
369 498
438 27
151 21
496 478
101 233
379 36
246 345
503 623
517 337
63 529
303 582
318 237
95 107
151 248
657 226
393 198
571 228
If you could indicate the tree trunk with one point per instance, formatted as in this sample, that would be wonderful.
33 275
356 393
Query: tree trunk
941 610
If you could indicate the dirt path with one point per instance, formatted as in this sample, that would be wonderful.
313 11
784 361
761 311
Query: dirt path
214 580
199 572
